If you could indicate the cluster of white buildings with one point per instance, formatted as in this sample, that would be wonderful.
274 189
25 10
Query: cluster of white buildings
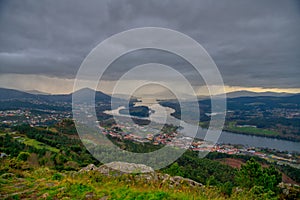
15 117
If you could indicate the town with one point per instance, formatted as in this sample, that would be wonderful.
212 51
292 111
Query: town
173 138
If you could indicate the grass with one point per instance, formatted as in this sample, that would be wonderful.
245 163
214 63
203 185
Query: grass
40 184
38 145
33 142
244 130
250 130
24 182
4 133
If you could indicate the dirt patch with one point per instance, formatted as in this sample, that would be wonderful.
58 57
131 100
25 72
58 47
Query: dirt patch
232 162
287 179
236 163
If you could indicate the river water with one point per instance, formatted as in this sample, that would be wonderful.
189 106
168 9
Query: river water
225 137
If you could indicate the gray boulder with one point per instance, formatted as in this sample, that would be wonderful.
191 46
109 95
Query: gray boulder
140 172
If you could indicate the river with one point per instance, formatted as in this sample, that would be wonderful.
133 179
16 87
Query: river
225 137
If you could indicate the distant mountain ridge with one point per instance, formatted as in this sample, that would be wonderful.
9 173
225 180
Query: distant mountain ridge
36 92
11 94
245 93
7 94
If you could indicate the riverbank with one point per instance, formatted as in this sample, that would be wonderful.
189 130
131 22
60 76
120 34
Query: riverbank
252 131
261 135
249 140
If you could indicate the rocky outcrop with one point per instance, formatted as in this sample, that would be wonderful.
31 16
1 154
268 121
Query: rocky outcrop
119 168
289 191
90 167
140 172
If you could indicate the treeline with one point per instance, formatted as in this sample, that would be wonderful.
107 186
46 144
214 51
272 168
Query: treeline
70 148
17 104
202 170
271 122
53 139
292 172
137 111
252 176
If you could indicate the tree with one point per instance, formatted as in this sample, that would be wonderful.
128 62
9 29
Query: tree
23 156
253 175
175 170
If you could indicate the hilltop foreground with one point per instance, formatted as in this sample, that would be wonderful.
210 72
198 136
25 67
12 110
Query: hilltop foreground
102 182
52 163
105 183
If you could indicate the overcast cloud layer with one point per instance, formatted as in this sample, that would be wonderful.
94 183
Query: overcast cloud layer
254 43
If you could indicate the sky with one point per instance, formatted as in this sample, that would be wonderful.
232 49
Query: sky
255 44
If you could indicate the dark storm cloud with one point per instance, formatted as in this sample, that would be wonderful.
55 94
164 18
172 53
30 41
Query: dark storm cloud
254 43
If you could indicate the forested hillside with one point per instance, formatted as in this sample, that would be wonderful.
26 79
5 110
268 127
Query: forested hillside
35 159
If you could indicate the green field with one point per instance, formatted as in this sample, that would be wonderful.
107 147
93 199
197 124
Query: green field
32 142
231 126
38 145
250 130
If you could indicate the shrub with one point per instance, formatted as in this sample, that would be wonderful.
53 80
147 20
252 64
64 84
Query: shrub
23 156
57 177
253 176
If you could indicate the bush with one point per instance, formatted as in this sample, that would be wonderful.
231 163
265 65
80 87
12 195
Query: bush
23 156
253 176
57 177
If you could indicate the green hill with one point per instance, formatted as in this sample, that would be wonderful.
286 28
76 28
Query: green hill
48 167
